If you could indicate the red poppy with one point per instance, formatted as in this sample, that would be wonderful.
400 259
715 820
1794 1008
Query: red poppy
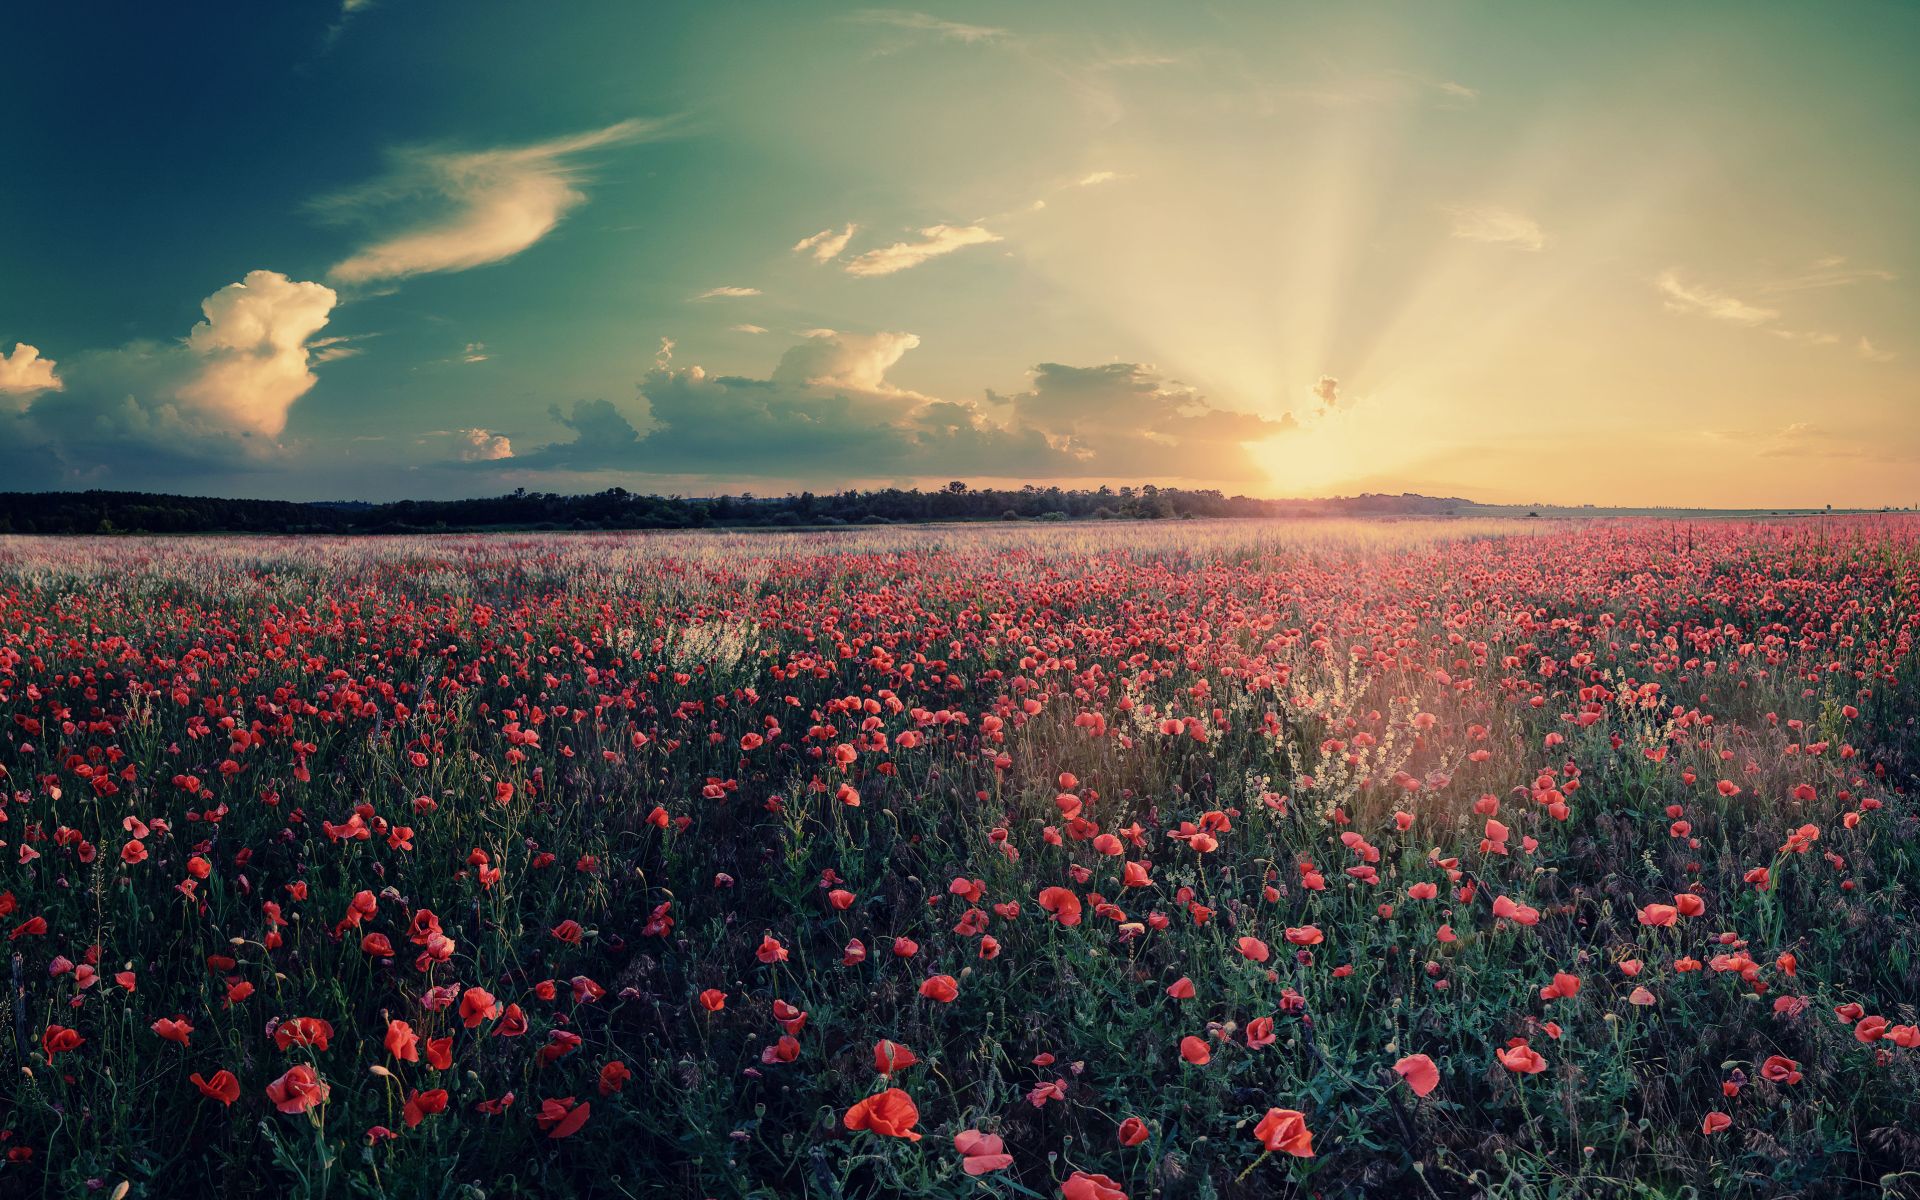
222 1087
300 1089
1082 1186
890 1113
1284 1131
981 1153
1419 1072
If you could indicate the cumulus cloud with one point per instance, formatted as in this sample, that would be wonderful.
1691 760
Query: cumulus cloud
24 372
727 293
488 205
829 411
219 396
253 350
1694 299
1500 226
935 240
484 446
826 245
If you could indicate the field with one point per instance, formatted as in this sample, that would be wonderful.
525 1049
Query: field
1433 859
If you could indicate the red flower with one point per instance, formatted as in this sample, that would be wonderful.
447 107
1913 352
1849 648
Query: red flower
1082 1186
298 1090
1133 1131
222 1087
941 988
1284 1130
1518 1057
890 1058
58 1039
981 1153
1419 1072
477 1005
1063 904
1195 1051
421 1105
175 1030
562 1118
890 1113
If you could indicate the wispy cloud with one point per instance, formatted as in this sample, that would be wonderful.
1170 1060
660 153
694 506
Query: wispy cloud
492 204
748 328
919 22
1500 226
727 293
1697 300
1096 178
826 245
1872 353
935 240
1830 272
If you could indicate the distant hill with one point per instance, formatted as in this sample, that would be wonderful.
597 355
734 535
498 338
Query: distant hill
104 512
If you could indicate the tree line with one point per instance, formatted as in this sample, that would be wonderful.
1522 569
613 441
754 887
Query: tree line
108 512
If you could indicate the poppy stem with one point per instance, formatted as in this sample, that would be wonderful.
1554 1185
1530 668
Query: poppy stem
1264 1156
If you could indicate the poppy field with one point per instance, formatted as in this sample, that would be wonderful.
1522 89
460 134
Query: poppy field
1233 859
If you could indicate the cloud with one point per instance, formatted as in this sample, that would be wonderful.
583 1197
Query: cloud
935 240
1500 226
1871 354
253 350
727 293
827 244
1830 272
218 398
1097 178
829 411
485 446
748 328
1327 389
475 352
918 22
1693 299
24 372
489 204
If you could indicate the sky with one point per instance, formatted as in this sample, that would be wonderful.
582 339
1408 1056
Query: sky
1634 254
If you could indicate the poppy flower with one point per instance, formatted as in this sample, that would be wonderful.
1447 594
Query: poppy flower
401 1042
890 1114
562 1118
377 945
174 1030
1518 1057
1563 987
1132 1131
421 1105
1305 935
890 1058
300 1089
222 1087
1255 949
58 1039
1195 1051
1419 1072
614 1077
1715 1122
1284 1131
1063 904
981 1153
1659 915
713 999
1181 988
303 1031
941 988
1260 1032
477 1005
1780 1069
1082 1186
